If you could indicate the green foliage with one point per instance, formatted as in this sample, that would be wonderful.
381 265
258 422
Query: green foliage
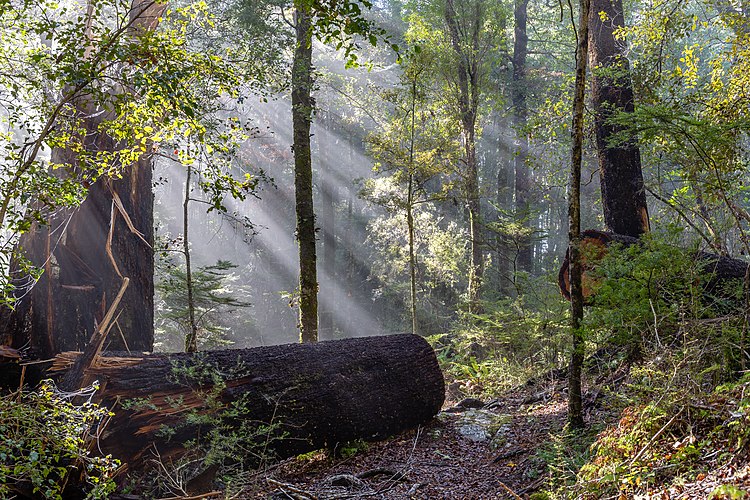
352 448
46 443
644 295
689 65
440 250
728 492
671 433
69 72
512 340
213 296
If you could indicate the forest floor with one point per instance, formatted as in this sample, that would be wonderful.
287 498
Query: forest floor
466 452
505 448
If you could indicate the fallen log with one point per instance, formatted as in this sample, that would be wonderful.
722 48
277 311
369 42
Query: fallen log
718 269
313 395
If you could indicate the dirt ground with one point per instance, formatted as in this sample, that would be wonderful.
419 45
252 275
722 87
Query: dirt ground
432 462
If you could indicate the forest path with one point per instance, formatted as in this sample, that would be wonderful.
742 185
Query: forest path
437 461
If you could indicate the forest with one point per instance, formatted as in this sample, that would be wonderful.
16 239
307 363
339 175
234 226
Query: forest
388 249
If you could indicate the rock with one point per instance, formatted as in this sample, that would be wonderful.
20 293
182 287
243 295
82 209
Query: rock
465 404
480 425
346 480
501 436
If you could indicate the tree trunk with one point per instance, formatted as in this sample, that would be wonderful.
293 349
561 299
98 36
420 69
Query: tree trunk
412 256
191 340
575 401
520 156
505 253
302 110
623 194
468 104
317 394
410 211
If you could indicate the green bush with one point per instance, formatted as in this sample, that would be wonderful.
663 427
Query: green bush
45 446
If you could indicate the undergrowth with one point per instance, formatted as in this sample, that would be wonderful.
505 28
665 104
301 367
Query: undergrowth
684 412
46 443
227 448
511 341
671 353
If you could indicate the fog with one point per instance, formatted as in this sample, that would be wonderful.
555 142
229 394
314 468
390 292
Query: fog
266 254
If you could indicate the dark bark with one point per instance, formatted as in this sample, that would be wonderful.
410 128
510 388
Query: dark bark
575 401
718 269
302 110
623 194
319 394
81 276
520 113
76 377
467 76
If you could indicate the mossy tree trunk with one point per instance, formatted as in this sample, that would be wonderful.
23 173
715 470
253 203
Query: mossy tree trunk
575 401
302 111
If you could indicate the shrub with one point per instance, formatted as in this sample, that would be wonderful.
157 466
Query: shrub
46 442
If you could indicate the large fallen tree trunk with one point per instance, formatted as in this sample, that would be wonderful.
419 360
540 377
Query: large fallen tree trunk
313 395
718 269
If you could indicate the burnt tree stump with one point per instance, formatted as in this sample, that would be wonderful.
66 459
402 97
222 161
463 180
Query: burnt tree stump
317 394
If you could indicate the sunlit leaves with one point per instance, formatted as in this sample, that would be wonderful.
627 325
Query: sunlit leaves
73 72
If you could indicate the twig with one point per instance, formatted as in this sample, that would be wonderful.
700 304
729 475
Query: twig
510 491
656 436
285 486
196 497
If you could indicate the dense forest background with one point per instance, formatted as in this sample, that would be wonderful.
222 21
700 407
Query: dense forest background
554 196
680 55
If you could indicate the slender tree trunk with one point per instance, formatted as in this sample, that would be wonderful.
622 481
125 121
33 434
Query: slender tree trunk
468 103
623 194
575 402
302 110
412 257
410 211
504 253
520 112
191 340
